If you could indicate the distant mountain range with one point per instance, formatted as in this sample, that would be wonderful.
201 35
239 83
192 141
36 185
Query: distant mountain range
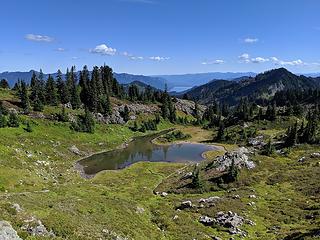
262 86
176 83
173 82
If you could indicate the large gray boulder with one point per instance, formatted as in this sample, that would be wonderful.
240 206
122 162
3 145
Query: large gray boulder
7 232
239 157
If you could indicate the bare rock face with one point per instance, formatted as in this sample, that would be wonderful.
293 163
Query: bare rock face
135 108
239 157
7 232
188 107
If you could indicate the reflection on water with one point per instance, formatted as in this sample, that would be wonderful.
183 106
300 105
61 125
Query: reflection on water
142 149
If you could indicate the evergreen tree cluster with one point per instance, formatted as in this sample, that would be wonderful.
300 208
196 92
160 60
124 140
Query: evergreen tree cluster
305 133
4 84
93 90
150 125
84 123
8 119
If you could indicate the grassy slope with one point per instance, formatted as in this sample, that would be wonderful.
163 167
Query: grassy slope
75 208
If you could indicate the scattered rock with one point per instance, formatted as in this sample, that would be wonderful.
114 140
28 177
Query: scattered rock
216 238
75 150
186 204
257 141
7 232
164 194
140 210
236 197
35 228
229 220
302 159
16 207
187 175
113 235
209 200
250 222
205 220
252 196
315 155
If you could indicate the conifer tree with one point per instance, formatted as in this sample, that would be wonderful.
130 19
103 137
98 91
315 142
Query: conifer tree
13 120
62 91
74 93
51 92
84 83
221 132
24 98
4 84
126 113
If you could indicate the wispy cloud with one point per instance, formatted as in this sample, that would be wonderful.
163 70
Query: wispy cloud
74 58
245 57
60 49
158 58
103 49
217 61
136 58
251 40
38 38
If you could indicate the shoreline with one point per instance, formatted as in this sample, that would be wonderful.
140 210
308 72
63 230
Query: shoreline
80 168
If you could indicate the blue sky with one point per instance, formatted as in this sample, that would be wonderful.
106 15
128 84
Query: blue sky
160 36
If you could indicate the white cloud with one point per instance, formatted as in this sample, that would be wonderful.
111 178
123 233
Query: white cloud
218 61
103 49
259 60
74 58
297 62
245 57
38 38
251 40
158 58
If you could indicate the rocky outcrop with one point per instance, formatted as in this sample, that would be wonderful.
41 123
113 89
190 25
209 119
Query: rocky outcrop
36 228
238 157
230 220
134 109
257 142
7 232
188 107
